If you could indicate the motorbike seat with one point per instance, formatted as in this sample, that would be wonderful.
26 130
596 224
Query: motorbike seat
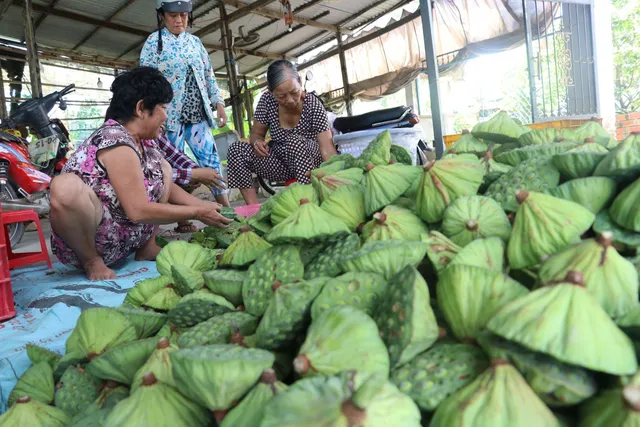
368 120
9 137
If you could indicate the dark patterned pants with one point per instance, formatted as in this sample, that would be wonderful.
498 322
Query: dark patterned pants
285 161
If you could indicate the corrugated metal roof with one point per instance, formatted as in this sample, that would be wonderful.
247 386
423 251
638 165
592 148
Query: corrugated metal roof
60 32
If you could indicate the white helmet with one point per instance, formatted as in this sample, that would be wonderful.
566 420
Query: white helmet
173 6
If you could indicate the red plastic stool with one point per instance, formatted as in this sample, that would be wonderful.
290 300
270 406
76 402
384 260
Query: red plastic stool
21 259
7 309
290 182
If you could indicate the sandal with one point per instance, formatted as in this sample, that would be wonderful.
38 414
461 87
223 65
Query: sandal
186 227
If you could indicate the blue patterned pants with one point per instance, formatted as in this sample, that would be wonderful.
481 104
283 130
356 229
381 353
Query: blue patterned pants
202 143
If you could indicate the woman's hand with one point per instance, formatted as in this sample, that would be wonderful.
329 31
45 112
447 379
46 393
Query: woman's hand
208 177
212 217
222 115
261 148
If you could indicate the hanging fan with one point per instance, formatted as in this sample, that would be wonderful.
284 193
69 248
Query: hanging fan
245 39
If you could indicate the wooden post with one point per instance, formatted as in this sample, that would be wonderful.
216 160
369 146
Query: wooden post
230 63
3 100
32 50
248 102
345 75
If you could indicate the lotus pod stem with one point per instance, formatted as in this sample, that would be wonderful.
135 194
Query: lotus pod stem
24 399
605 239
589 140
499 362
301 364
354 415
429 165
370 167
304 201
276 286
575 278
163 343
631 396
380 217
472 225
268 377
521 196
245 229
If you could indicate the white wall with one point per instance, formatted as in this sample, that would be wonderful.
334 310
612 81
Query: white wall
604 62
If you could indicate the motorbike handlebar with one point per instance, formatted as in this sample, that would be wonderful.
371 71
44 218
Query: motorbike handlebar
67 90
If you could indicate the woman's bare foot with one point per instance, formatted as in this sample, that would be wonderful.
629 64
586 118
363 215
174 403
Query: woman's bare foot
149 251
97 270
185 227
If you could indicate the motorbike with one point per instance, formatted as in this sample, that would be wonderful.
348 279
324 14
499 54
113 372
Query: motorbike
26 168
49 151
390 118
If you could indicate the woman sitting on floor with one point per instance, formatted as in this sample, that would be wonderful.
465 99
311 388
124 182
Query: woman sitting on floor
117 188
299 128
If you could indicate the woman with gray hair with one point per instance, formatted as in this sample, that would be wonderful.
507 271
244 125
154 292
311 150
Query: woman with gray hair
300 135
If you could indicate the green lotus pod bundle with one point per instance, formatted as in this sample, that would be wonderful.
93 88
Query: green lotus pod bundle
498 397
170 332
94 418
503 148
385 184
338 401
446 180
32 413
96 413
261 227
36 382
217 329
594 193
244 250
250 410
226 283
68 360
609 277
121 363
412 191
378 152
581 161
621 236
543 226
440 250
278 264
198 307
484 253
519 155
228 212
500 128
493 169
591 129
308 223
385 257
76 390
347 204
288 314
475 217
224 236
405 202
186 280
112 393
434 375
216 376
147 323
363 291
39 354
327 262
560 321
557 384
163 300
183 253
623 161
401 155
405 318
545 136
158 363
537 174
310 251
328 169
394 223
348 160
157 404
340 339
145 289
469 296
468 144
326 184
99 329
619 407
625 210
289 201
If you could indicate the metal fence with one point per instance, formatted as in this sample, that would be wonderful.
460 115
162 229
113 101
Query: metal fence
561 59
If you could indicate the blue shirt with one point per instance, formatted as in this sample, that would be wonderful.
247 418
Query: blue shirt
178 54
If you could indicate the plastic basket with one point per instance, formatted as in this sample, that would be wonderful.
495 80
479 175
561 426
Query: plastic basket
557 124
248 211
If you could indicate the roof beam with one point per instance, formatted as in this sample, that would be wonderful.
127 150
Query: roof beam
233 16
269 55
42 17
126 4
275 14
4 7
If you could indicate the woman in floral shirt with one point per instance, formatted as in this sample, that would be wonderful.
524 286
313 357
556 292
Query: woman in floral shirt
117 188
183 60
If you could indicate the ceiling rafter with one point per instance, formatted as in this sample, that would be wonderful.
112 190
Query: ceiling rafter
42 17
233 16
121 9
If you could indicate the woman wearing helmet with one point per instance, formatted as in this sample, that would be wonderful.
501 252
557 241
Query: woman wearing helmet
183 60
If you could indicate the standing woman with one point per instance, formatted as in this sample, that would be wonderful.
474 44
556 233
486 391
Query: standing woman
183 60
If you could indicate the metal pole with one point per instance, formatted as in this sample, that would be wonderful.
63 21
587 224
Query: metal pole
32 50
426 10
345 75
530 65
3 100
230 64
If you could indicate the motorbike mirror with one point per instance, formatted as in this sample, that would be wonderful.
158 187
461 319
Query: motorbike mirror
309 75
63 104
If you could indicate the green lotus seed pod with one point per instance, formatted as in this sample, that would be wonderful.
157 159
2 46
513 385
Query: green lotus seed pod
475 217
244 250
182 253
146 323
500 128
360 290
385 184
120 363
37 383
394 223
33 413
